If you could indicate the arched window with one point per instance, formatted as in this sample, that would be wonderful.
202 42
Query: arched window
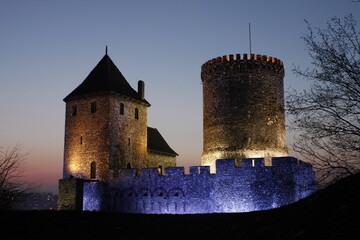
122 108
93 170
128 165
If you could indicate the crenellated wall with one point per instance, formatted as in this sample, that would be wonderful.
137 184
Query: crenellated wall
238 57
251 187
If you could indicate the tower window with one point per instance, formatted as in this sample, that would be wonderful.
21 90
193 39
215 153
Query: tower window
121 108
93 107
129 141
74 110
136 113
93 170
81 140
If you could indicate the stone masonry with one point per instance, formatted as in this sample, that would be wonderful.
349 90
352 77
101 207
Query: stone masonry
114 162
243 107
251 187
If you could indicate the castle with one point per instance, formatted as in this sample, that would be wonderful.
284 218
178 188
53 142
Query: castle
114 162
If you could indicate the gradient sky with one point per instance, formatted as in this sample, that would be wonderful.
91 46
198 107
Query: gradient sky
47 48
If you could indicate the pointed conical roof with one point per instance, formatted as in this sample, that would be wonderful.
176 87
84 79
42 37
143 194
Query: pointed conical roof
105 77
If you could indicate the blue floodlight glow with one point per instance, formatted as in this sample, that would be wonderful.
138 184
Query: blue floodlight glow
231 189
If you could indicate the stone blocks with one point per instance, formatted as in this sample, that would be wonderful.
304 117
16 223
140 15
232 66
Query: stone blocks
251 187
243 104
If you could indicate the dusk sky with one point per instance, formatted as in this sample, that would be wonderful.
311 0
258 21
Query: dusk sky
47 48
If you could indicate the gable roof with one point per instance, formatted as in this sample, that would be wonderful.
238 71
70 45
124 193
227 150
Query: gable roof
157 143
105 77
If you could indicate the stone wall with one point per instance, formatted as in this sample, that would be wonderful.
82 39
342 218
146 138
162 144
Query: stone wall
87 137
128 141
110 139
71 194
243 105
157 159
251 187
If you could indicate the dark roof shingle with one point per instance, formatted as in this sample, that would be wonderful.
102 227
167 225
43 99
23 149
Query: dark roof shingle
157 143
105 77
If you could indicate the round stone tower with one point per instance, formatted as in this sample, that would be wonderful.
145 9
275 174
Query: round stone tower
243 108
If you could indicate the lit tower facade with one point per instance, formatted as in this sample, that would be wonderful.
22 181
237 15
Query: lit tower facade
105 125
243 108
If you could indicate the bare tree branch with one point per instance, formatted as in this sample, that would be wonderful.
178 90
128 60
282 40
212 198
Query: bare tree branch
327 116
12 188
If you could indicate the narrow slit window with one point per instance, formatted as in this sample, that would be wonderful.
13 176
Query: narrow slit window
93 107
74 110
136 113
93 170
81 140
129 141
121 109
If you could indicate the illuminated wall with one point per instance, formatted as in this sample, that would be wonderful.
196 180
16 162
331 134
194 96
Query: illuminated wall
156 159
110 139
250 187
243 108
86 137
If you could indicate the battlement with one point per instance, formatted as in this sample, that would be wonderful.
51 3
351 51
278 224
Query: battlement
244 62
222 166
249 187
245 57
199 170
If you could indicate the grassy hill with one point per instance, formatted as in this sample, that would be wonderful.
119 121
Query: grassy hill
332 213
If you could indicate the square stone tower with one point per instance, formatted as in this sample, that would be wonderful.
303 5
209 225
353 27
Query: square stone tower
105 126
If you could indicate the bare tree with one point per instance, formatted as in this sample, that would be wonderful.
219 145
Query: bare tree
12 188
327 116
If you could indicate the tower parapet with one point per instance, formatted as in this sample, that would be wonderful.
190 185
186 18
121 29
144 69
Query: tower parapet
243 104
247 62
